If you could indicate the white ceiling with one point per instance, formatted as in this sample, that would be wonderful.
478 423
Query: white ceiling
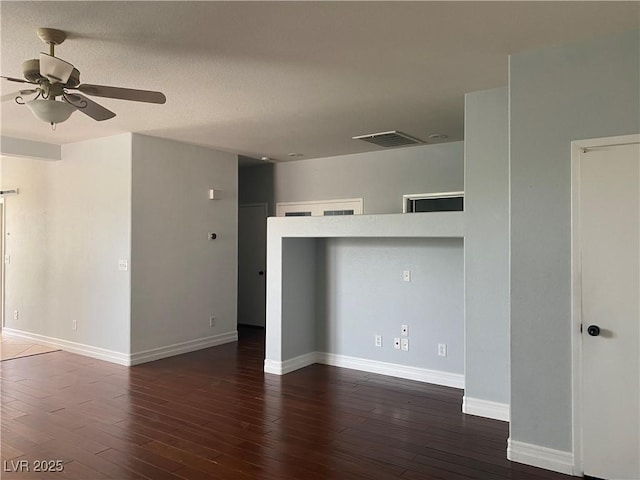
270 78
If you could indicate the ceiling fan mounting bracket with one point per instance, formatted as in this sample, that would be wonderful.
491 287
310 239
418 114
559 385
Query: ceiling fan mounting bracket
51 36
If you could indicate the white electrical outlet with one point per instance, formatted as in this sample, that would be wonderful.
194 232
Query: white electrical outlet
7 259
16 315
404 344
123 265
378 340
396 343
406 275
212 321
404 330
442 349
74 324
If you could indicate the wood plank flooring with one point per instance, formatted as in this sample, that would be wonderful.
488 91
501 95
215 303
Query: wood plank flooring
214 414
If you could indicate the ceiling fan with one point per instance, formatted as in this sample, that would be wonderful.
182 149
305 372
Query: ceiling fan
58 91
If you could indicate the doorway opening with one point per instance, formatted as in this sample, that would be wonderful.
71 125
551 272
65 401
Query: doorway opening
252 264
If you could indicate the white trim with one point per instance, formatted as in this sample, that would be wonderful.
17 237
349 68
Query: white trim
125 358
182 347
577 147
73 347
542 457
436 377
420 196
509 217
281 368
316 206
576 310
485 408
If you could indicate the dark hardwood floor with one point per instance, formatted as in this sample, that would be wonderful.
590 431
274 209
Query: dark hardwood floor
214 414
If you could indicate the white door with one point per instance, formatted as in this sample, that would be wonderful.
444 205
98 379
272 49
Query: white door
252 262
609 233
1 265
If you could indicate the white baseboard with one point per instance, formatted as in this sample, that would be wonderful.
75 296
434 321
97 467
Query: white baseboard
125 358
394 370
182 347
485 408
282 368
73 347
542 457
373 366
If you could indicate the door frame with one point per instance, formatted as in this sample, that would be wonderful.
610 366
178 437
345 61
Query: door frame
316 206
577 148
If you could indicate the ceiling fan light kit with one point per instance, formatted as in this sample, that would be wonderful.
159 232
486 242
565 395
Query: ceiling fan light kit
54 78
50 110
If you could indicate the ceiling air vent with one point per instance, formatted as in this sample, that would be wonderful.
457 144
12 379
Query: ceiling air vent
389 139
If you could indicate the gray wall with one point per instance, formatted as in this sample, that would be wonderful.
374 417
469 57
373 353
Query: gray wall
486 260
180 277
18 147
557 95
380 177
127 197
359 279
299 304
28 278
66 231
361 293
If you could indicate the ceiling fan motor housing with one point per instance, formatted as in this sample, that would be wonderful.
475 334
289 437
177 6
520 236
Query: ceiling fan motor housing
31 72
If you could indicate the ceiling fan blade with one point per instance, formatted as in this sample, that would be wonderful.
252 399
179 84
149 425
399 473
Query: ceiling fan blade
88 107
54 68
122 93
12 96
11 79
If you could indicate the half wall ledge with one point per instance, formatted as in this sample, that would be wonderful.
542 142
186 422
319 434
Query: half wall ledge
291 271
